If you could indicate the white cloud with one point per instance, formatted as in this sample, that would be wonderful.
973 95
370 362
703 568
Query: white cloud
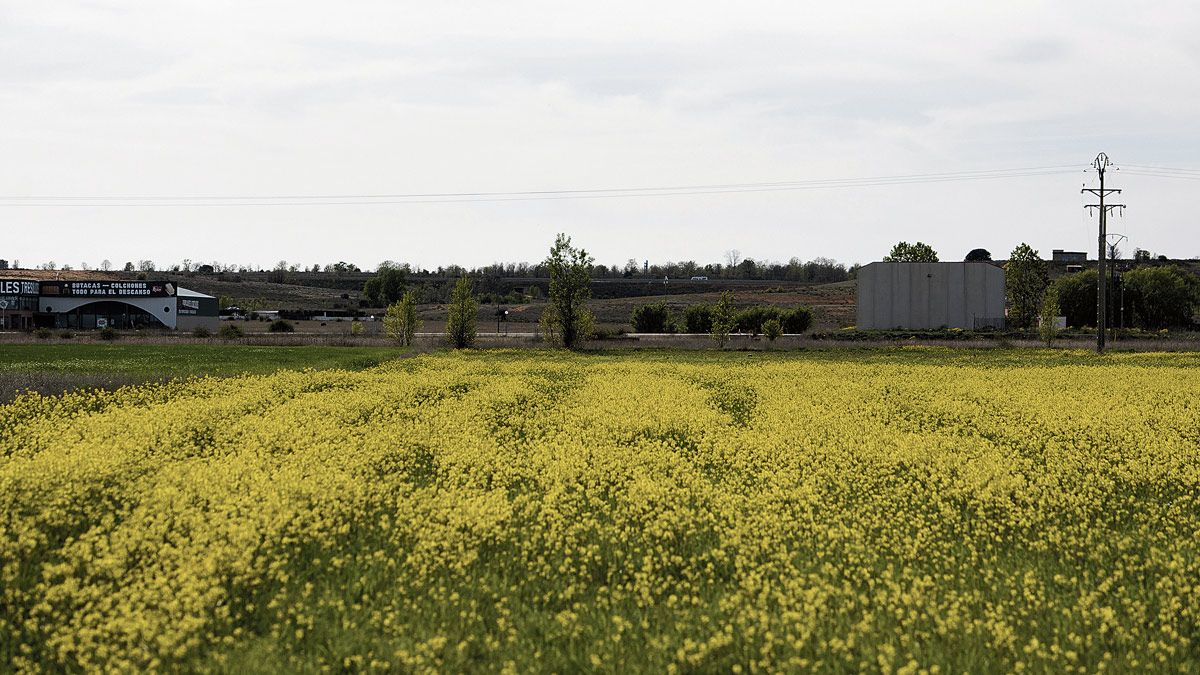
224 98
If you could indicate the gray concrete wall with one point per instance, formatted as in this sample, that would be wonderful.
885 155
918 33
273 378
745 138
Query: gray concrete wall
928 295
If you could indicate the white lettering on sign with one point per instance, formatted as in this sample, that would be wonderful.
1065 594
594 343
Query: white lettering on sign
18 287
108 288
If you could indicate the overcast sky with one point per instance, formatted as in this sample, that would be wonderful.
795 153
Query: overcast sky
222 98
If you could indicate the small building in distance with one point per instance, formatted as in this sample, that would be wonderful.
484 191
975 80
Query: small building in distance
923 296
88 305
1068 257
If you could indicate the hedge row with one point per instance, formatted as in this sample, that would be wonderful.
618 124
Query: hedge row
658 318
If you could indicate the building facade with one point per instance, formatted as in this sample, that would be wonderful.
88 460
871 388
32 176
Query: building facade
18 303
922 296
89 305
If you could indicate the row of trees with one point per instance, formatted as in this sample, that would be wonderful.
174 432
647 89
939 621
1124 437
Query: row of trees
820 270
1153 297
922 252
566 321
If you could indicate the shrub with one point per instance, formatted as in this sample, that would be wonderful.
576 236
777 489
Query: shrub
107 333
723 319
43 333
281 326
356 328
698 319
772 329
201 332
652 318
798 320
751 319
230 332
66 335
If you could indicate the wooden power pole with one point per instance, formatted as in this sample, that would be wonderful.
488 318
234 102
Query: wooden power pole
1101 164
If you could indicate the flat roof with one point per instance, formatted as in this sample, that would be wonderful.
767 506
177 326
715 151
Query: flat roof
189 293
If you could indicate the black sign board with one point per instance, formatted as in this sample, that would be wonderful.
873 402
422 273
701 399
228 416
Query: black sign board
108 289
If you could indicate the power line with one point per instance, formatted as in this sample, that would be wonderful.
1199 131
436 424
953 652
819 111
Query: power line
535 195
1162 168
1162 174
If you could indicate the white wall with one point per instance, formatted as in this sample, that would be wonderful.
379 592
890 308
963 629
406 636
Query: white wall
928 295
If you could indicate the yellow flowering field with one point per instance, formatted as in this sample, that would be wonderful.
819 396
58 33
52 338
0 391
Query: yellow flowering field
908 510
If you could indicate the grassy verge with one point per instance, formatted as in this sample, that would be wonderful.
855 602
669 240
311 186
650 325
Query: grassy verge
55 368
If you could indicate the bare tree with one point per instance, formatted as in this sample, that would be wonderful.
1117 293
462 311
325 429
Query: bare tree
733 257
106 265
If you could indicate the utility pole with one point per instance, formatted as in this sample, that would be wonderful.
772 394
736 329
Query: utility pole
1101 163
1116 238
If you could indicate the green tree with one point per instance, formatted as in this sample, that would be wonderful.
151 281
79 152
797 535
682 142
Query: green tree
906 252
386 287
400 322
1077 298
1025 281
548 324
723 319
460 322
1162 297
979 255
570 275
1049 315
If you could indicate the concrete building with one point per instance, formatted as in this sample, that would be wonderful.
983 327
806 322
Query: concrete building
86 305
930 295
1068 257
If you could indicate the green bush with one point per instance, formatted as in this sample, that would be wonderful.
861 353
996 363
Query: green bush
66 335
698 319
751 319
281 326
230 332
772 329
797 321
653 318
201 332
107 333
43 333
